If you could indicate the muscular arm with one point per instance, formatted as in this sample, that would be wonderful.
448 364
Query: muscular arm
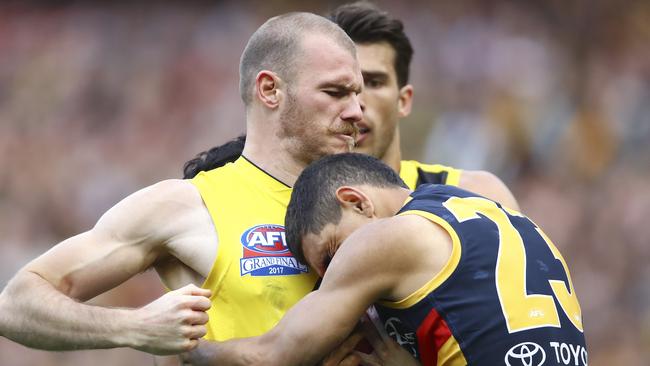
42 305
489 186
358 275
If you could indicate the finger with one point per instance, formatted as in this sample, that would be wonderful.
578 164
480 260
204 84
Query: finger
372 335
198 318
190 344
390 343
340 352
351 359
350 343
192 289
194 332
368 360
198 303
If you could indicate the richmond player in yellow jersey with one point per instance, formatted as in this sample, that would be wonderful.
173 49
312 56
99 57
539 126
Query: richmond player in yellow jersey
299 80
457 279
384 53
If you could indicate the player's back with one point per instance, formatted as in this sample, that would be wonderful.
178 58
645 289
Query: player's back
504 297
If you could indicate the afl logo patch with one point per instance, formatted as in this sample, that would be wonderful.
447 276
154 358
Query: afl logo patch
525 354
266 253
265 239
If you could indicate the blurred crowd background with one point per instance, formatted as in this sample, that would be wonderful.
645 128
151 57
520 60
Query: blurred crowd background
100 99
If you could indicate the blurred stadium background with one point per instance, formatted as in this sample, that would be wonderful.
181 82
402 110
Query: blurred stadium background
98 100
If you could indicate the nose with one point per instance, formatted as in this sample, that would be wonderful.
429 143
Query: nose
362 100
354 110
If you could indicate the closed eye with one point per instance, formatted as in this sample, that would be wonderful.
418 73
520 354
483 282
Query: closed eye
326 262
336 93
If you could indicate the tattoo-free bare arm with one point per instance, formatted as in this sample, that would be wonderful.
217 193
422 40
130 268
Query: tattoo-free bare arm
42 305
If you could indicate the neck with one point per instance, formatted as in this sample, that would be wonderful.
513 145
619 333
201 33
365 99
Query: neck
264 149
396 200
393 155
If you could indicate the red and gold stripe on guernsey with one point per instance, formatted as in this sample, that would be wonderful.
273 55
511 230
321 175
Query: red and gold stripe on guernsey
436 345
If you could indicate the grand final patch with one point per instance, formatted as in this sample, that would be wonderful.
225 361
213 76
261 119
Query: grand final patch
266 253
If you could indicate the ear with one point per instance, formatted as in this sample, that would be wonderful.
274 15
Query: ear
267 88
405 100
354 199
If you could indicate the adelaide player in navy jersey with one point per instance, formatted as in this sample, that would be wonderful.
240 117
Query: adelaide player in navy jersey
457 279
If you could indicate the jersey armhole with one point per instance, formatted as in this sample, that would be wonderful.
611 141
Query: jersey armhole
214 279
453 176
442 276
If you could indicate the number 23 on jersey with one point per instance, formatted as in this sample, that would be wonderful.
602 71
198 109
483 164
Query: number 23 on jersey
522 311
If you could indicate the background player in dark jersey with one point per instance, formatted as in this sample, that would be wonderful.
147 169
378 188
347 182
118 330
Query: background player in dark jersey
447 269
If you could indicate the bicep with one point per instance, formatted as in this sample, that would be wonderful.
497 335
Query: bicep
126 240
88 264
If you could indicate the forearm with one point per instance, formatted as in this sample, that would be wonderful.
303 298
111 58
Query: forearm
35 314
230 353
264 350
298 339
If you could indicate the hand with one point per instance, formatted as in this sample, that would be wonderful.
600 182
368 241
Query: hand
344 354
173 323
386 351
390 354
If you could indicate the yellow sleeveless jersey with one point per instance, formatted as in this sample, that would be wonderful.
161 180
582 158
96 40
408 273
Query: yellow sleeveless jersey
254 279
414 173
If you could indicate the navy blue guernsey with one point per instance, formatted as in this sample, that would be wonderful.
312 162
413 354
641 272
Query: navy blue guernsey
505 296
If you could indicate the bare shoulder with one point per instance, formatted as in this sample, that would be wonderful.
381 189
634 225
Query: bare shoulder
407 230
186 230
489 185
370 245
403 252
154 210
174 192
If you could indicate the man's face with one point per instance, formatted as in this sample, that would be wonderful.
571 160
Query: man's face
322 104
319 249
381 97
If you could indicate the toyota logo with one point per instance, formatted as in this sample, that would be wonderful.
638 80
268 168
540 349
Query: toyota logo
525 354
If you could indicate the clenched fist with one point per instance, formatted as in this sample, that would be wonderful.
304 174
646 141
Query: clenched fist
173 323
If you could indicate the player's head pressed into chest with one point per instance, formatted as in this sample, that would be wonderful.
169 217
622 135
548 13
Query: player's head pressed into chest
332 198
